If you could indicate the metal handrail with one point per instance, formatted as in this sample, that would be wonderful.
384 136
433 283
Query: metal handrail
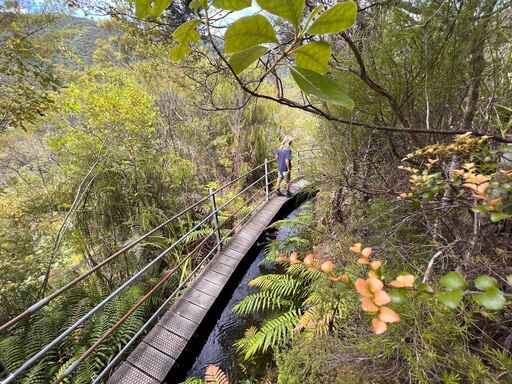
213 215
46 300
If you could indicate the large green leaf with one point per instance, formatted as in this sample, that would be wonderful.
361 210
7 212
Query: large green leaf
453 280
241 60
314 56
158 7
484 282
180 51
187 32
492 298
141 8
321 86
336 19
247 32
232 5
451 299
291 10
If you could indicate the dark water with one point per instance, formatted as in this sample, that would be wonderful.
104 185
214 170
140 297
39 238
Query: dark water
218 349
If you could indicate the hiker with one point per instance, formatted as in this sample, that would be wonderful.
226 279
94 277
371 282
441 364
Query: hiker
284 165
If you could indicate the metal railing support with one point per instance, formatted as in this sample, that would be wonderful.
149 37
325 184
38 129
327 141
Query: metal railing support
215 217
299 170
267 192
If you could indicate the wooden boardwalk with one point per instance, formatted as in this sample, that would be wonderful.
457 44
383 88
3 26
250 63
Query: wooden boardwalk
155 356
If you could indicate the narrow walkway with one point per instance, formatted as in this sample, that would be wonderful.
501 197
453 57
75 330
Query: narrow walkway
154 357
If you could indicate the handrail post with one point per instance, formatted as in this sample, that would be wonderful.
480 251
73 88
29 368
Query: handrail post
299 170
267 192
215 218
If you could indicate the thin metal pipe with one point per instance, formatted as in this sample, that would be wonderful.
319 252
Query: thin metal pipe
27 364
116 359
46 300
43 302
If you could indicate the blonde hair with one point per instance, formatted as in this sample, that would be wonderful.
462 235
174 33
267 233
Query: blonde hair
287 140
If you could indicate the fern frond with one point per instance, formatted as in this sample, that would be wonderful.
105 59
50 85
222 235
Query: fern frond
315 320
193 380
273 334
215 375
285 286
261 302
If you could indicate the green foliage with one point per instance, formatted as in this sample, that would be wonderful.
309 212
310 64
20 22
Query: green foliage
232 5
242 60
320 86
248 32
291 10
314 56
336 19
274 333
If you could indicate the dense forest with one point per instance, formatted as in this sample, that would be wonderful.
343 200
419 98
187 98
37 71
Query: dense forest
115 115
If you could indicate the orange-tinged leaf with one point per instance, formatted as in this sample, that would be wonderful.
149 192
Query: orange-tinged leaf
373 274
404 281
378 326
376 264
368 305
367 252
327 266
362 288
374 284
356 248
381 298
345 278
387 315
309 260
362 260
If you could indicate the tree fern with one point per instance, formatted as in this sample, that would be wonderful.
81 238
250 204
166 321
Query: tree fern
261 302
273 334
283 285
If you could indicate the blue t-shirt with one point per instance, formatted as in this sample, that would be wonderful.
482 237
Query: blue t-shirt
282 156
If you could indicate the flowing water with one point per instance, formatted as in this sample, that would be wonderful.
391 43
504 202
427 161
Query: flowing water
218 349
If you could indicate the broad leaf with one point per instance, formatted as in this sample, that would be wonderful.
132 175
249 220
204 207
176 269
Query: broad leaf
141 8
453 280
451 299
291 10
187 32
498 216
196 4
321 86
180 51
484 282
232 5
492 299
314 56
158 7
247 32
241 60
336 19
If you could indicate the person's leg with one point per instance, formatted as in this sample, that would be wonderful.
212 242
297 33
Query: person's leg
278 183
287 183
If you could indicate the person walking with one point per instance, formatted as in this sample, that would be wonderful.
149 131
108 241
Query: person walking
284 165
